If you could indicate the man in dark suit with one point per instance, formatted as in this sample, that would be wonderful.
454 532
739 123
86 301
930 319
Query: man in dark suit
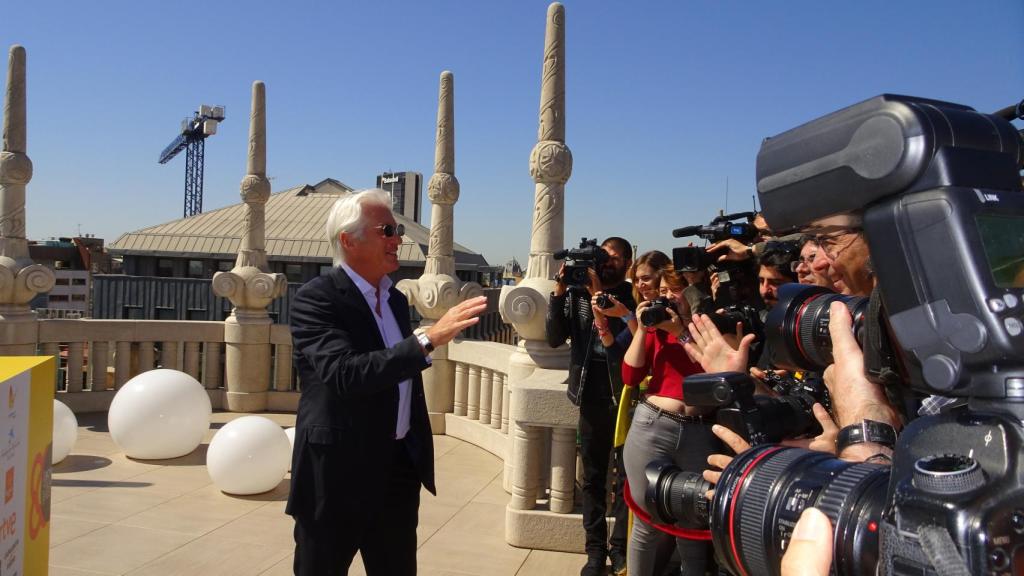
363 444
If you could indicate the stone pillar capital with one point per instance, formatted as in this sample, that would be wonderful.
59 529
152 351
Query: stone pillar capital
249 289
435 294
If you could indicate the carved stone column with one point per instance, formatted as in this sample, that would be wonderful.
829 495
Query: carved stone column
248 285
438 289
20 278
525 304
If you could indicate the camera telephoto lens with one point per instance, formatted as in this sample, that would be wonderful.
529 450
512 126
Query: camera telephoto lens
674 496
763 491
797 326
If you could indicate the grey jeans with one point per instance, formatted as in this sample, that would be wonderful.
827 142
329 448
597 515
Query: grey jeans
688 445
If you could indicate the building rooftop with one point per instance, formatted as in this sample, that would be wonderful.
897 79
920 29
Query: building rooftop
295 221
114 515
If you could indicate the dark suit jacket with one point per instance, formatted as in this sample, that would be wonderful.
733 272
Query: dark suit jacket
344 432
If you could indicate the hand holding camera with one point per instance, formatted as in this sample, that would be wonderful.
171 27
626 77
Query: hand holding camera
730 250
854 397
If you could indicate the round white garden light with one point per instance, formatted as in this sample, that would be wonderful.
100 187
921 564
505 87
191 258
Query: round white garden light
159 414
249 455
65 431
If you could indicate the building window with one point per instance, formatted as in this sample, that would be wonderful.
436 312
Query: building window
62 282
197 314
195 269
78 297
78 281
164 267
164 313
293 272
225 265
325 269
129 312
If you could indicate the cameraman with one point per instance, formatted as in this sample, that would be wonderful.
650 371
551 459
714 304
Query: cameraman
846 263
594 385
804 265
663 427
775 268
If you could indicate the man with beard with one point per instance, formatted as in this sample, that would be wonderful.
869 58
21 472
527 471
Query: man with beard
775 268
595 382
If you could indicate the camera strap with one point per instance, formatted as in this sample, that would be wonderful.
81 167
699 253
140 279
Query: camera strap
879 363
942 551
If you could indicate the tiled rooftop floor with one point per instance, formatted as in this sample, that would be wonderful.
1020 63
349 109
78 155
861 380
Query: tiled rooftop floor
114 515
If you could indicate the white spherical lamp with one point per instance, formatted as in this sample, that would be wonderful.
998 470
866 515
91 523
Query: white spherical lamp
249 455
65 431
159 414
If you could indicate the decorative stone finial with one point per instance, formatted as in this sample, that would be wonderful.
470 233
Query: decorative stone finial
525 304
20 278
438 289
248 285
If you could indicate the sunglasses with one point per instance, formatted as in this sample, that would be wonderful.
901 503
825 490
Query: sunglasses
390 230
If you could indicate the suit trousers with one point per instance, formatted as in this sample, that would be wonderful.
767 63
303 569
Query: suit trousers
381 526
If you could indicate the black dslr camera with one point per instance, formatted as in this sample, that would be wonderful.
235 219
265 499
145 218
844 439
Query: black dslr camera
674 495
578 261
939 186
656 312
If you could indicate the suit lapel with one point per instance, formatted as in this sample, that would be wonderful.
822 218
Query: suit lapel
357 302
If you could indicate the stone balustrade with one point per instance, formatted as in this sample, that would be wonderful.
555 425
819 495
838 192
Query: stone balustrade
96 358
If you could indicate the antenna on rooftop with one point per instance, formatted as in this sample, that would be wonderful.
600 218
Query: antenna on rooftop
192 139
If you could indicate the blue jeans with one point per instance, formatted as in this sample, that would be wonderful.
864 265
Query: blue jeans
688 445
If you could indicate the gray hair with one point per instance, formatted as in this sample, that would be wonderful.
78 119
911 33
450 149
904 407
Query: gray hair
347 215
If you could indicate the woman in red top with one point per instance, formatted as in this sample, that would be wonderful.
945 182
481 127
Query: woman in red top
664 428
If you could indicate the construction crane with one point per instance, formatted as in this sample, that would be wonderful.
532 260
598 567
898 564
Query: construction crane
192 139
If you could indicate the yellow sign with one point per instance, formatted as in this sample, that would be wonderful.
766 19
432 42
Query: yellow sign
26 423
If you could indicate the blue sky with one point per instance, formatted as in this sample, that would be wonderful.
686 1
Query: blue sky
666 100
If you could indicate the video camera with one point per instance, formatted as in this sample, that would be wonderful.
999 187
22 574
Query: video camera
737 292
578 261
696 258
939 187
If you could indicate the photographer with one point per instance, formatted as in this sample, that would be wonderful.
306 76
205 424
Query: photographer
594 385
663 426
841 240
804 265
775 268
846 261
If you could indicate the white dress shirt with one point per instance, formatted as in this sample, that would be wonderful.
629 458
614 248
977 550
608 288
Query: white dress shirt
389 331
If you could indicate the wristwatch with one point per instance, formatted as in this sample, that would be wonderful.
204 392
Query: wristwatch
425 342
866 431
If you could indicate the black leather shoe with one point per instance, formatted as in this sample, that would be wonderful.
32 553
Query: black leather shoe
595 567
618 563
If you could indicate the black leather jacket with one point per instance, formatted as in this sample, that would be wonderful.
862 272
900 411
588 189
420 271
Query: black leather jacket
569 316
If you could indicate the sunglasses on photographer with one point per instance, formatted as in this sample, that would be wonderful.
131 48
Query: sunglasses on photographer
389 230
